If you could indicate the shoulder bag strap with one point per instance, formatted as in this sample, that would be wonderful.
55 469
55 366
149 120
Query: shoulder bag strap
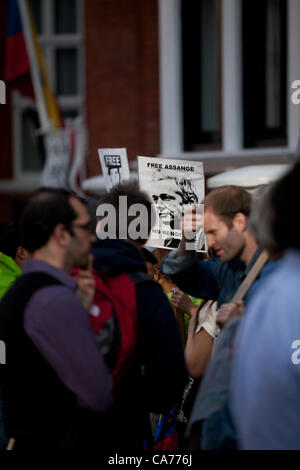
251 276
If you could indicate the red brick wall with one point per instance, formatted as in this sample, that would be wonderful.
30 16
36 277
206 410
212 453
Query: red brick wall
122 89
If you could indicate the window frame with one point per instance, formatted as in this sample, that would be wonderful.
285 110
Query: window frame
233 153
25 181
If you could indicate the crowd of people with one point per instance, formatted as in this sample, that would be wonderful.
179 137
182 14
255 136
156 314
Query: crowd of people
111 346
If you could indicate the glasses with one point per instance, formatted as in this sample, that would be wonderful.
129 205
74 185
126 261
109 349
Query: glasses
88 227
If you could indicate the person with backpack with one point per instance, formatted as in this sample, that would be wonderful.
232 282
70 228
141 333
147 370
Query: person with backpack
55 383
147 360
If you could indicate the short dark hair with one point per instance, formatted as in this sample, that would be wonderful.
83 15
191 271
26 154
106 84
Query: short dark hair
134 196
283 209
228 201
10 239
46 208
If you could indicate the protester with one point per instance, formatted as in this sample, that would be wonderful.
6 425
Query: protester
266 368
54 383
157 375
12 255
226 212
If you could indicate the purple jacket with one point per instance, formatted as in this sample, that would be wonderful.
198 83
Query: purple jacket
59 326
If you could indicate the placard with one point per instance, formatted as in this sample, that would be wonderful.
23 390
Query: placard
114 166
173 185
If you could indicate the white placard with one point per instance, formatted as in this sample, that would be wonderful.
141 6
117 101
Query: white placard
173 185
114 164
57 158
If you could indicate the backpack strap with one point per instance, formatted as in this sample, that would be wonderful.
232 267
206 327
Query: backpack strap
26 285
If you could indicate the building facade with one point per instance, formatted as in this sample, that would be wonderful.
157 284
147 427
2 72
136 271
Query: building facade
206 80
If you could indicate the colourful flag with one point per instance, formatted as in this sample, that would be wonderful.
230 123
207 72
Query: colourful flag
65 146
23 54
17 63
17 60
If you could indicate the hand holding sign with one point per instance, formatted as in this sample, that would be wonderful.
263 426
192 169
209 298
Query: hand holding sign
191 224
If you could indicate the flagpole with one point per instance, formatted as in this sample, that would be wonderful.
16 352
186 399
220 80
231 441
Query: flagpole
34 69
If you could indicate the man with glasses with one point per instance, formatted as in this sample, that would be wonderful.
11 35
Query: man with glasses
54 382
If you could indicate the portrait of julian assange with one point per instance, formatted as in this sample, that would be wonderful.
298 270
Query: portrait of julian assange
171 192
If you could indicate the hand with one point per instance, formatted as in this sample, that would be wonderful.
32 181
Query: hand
229 311
191 223
86 285
182 301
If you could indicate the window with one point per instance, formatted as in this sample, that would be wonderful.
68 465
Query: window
59 25
264 72
201 68
226 69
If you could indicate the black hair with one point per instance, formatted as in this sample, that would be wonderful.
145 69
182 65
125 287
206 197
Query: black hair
10 239
46 208
134 196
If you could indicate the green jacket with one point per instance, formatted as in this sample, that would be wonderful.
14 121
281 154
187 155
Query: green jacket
196 301
9 272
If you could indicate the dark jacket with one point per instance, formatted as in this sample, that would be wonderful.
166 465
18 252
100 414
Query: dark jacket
156 380
212 279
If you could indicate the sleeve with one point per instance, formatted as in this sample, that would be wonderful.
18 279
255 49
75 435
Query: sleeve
207 319
196 278
172 264
60 328
165 373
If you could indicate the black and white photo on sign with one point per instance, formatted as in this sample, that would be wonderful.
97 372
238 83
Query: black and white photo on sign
173 185
114 164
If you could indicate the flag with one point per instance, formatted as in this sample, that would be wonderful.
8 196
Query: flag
17 63
23 55
17 60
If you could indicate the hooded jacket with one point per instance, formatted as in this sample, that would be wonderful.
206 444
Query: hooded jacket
158 374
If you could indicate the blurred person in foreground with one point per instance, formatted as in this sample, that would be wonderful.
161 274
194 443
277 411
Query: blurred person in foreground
55 384
266 375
